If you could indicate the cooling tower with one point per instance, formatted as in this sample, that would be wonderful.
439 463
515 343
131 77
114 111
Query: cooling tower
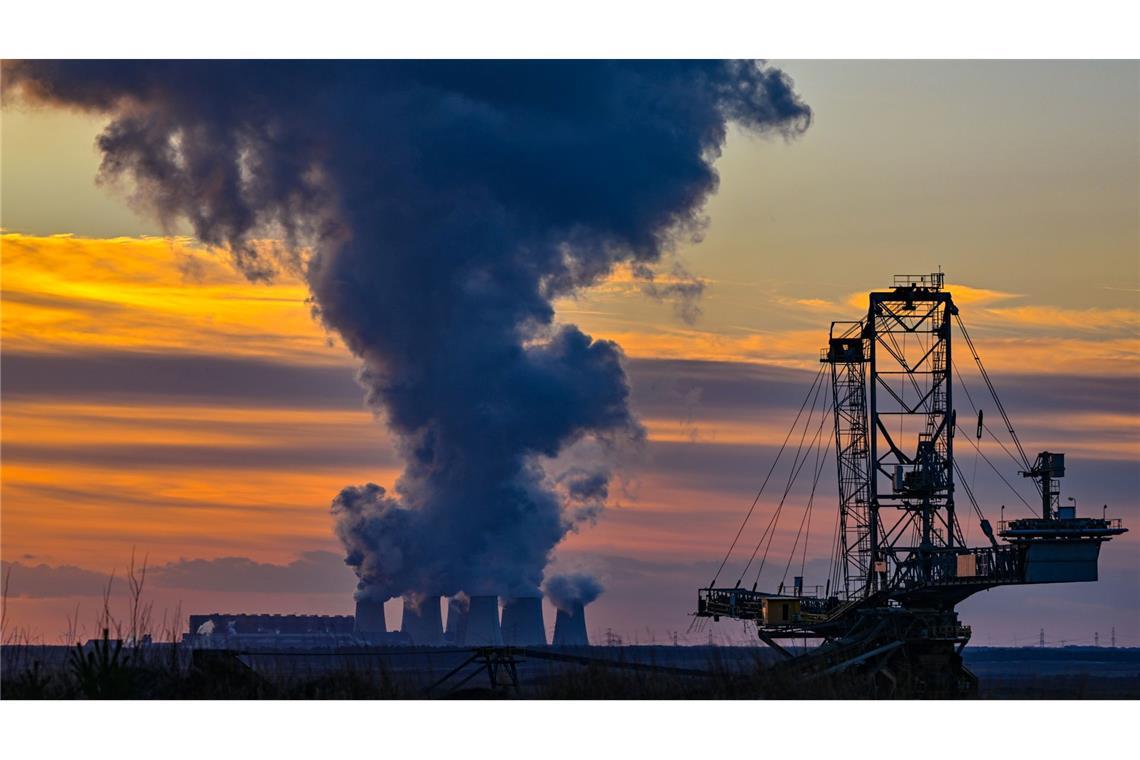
423 624
570 627
483 622
522 622
456 632
369 617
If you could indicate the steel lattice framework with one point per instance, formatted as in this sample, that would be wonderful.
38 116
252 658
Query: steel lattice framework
910 389
891 380
858 521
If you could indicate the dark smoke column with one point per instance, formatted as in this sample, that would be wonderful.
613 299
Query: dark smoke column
436 209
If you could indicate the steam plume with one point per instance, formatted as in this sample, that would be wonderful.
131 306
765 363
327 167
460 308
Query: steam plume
567 591
436 210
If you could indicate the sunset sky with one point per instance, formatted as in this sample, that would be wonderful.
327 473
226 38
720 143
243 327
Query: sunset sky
156 401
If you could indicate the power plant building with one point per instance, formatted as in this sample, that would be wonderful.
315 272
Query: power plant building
522 624
423 624
570 627
456 631
483 623
370 617
217 630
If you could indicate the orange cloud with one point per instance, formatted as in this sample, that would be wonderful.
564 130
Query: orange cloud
155 294
41 422
1083 320
1080 341
623 280
792 348
964 295
1095 435
815 304
74 488
62 293
752 431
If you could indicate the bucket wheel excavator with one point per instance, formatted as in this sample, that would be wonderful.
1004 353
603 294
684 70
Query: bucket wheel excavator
884 620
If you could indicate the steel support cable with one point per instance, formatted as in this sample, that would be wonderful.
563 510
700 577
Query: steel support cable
837 576
817 469
977 449
977 413
902 383
728 554
986 427
796 543
821 462
954 525
837 557
997 472
899 355
793 472
811 500
993 393
806 519
793 477
973 482
772 534
833 571
969 493
1012 458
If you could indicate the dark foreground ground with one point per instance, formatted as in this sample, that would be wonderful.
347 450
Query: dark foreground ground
1064 673
638 672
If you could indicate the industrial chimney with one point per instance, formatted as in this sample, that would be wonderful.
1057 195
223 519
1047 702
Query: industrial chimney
423 624
456 632
483 622
522 622
570 627
369 618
